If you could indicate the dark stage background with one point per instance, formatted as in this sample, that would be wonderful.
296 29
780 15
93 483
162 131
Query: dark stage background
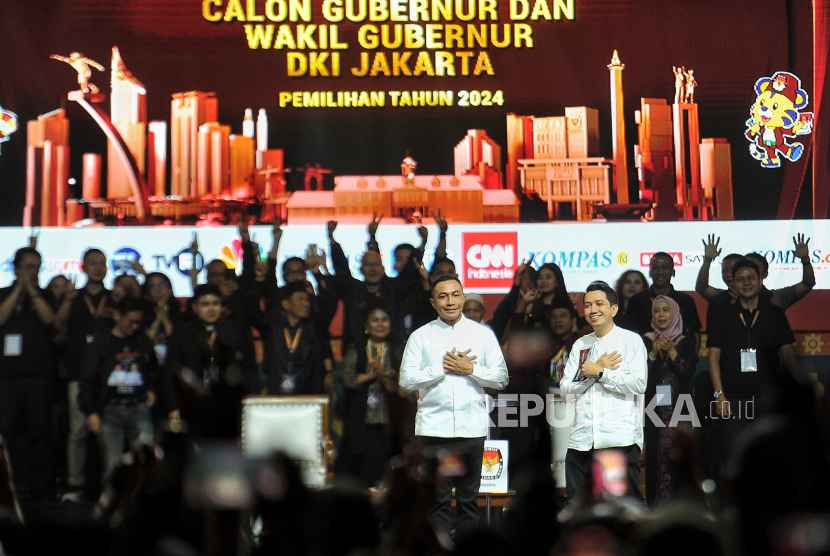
169 47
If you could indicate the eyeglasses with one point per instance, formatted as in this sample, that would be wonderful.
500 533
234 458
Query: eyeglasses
160 286
372 265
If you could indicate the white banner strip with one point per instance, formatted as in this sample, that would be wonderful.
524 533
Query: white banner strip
486 255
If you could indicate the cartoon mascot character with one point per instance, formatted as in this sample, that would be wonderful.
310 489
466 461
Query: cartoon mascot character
775 116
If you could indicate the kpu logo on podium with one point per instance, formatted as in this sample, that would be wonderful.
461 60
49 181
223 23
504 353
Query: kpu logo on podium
490 259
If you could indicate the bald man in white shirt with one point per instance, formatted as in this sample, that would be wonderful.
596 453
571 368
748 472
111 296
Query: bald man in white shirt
606 376
449 362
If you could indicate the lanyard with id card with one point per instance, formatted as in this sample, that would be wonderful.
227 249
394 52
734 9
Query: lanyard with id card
749 359
12 345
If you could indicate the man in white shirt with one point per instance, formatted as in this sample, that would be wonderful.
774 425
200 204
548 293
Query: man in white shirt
449 362
606 376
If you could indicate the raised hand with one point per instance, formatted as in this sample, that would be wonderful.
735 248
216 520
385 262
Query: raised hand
424 233
331 226
710 247
276 229
194 244
33 238
529 296
137 267
440 222
321 260
522 270
312 261
242 227
422 270
802 248
72 291
373 225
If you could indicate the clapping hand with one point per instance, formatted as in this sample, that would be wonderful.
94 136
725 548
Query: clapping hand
663 343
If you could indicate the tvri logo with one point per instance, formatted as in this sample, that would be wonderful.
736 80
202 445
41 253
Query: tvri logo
122 261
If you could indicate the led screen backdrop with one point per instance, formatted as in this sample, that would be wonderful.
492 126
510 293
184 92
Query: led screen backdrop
495 56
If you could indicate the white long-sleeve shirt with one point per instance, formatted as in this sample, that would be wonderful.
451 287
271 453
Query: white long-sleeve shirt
608 410
450 405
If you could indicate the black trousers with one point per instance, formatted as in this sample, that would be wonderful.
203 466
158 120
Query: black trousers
578 464
469 452
24 424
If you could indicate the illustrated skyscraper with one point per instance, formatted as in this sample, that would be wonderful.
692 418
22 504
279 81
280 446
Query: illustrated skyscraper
188 112
128 112
47 170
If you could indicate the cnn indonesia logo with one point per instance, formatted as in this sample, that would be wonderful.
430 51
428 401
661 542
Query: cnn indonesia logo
490 258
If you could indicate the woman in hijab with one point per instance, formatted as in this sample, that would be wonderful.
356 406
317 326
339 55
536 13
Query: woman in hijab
671 363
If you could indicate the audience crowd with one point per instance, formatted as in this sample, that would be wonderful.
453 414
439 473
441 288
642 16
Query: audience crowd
110 399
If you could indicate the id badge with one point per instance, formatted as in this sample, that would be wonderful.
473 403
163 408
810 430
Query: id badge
372 401
12 345
90 338
663 394
287 384
161 353
749 361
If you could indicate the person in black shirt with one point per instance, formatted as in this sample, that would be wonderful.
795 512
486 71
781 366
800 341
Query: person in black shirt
212 361
118 382
85 312
403 293
293 345
745 341
639 312
26 366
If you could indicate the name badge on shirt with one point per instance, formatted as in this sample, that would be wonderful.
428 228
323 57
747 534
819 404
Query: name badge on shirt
663 394
749 361
372 400
161 352
287 384
12 345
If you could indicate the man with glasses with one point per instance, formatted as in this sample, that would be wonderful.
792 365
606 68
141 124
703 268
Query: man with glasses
398 291
118 382
26 317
